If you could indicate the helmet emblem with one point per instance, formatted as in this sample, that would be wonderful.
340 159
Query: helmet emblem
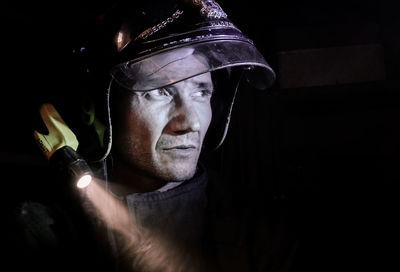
210 9
151 30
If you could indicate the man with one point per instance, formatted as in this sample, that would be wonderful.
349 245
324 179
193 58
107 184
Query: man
175 68
158 134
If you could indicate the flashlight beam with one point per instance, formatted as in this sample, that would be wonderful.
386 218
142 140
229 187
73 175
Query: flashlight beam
141 249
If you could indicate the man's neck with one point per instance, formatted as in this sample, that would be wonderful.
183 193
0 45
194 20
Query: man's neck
125 180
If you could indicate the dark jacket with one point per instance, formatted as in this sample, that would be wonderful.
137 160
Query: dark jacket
50 231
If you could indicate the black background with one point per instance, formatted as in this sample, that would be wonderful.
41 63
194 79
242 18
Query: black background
331 151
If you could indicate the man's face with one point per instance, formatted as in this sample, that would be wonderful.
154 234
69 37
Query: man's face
160 132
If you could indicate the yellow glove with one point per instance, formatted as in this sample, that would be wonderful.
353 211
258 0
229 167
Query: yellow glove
60 134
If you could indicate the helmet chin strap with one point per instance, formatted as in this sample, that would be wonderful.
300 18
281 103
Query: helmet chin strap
109 124
228 117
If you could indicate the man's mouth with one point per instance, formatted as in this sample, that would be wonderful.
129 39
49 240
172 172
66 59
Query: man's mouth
181 151
180 147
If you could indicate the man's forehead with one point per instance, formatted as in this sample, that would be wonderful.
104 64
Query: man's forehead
167 69
200 81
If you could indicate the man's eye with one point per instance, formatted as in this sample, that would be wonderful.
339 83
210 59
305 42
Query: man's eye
203 93
158 94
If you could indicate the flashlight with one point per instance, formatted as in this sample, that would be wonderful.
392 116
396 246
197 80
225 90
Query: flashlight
77 168
59 147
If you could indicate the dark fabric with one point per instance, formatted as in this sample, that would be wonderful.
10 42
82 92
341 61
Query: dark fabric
219 234
179 212
168 227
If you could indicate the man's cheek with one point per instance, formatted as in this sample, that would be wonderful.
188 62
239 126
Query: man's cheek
205 116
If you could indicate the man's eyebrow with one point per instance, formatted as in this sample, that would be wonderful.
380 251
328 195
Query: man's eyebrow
202 84
197 83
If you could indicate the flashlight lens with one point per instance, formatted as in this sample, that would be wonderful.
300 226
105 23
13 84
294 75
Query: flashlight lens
84 181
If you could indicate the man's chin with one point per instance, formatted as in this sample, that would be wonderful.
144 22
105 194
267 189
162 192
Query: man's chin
176 169
181 173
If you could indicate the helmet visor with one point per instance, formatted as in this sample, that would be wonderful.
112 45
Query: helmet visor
181 63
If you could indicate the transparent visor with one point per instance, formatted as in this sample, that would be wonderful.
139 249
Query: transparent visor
178 64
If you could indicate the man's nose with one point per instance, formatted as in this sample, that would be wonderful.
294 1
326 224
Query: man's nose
184 118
